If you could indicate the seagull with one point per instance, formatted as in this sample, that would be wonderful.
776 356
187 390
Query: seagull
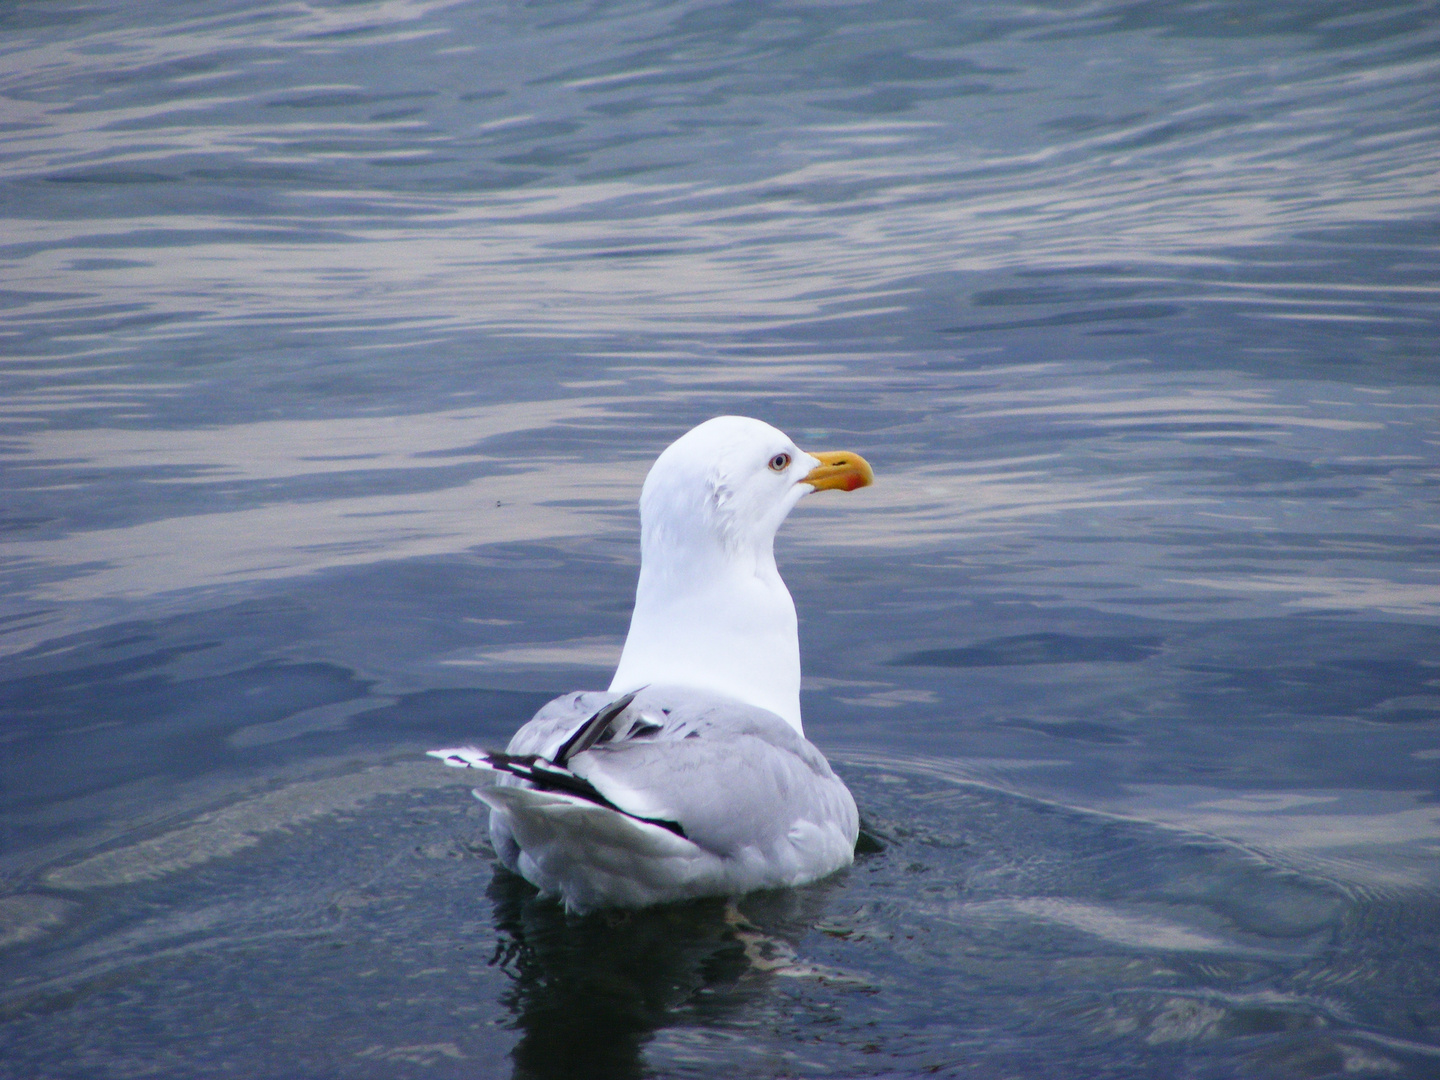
691 776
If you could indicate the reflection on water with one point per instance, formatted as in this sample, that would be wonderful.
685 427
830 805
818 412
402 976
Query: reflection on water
979 928
1039 465
505 176
589 993
337 339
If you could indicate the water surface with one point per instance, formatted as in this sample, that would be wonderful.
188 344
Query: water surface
337 339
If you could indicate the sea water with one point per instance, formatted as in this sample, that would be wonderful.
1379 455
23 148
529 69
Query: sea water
338 337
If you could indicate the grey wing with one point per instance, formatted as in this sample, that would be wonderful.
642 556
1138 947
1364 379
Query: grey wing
725 793
731 775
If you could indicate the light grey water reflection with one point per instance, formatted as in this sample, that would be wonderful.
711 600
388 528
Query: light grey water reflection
337 339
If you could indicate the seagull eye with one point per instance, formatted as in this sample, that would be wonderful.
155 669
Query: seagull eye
780 462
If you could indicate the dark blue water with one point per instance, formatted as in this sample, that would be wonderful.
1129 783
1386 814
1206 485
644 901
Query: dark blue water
337 338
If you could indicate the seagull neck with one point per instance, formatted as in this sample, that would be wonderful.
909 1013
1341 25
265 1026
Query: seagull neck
711 617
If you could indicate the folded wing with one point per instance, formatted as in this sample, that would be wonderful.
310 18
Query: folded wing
696 791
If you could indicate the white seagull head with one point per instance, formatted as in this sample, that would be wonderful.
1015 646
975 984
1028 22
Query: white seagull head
711 611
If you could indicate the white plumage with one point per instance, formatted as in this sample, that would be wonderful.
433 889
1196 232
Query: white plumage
691 776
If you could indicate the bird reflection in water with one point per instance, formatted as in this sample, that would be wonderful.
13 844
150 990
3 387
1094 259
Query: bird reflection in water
589 991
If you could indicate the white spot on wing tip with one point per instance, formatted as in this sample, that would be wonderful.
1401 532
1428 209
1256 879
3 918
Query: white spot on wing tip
465 757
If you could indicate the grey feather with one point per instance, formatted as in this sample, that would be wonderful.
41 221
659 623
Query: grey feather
682 755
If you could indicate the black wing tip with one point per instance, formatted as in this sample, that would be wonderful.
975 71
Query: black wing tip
588 733
552 774
548 776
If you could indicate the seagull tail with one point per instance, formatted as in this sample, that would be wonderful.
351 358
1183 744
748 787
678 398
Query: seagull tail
586 853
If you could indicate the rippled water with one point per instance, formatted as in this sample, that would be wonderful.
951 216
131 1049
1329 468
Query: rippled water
337 338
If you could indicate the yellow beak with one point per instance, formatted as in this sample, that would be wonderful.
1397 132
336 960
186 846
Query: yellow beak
840 469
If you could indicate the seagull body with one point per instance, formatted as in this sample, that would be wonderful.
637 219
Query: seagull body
691 776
